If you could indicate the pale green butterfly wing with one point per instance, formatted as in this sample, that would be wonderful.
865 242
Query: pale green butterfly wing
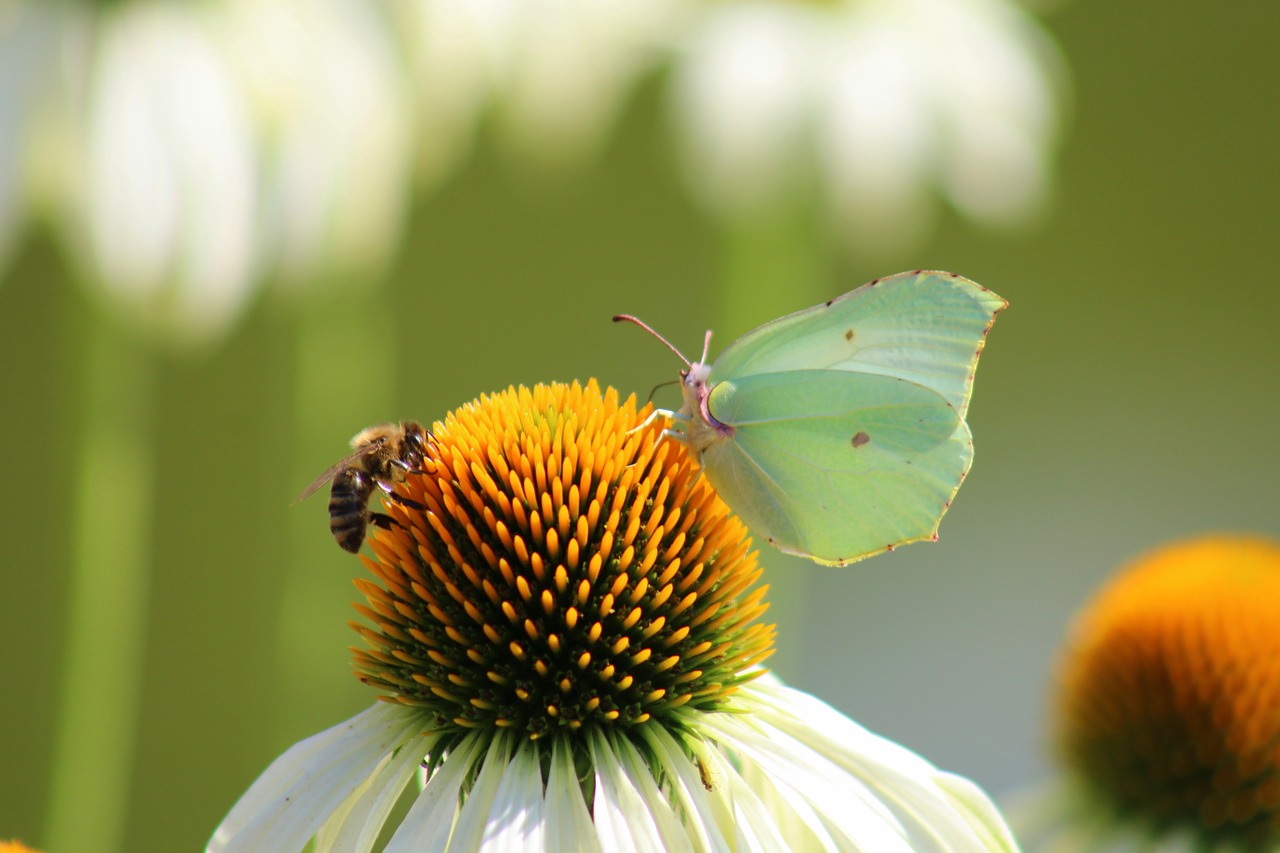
925 327
836 466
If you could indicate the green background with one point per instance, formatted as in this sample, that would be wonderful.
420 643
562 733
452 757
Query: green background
1129 396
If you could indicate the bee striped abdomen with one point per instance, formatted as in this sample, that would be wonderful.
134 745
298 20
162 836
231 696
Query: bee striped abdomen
349 508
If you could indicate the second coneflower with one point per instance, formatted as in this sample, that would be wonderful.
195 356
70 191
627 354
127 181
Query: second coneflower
1168 723
564 630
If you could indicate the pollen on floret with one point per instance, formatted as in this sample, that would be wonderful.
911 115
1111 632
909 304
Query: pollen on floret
564 572
1169 698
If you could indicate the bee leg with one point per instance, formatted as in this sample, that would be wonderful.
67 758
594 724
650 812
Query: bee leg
400 499
406 502
383 521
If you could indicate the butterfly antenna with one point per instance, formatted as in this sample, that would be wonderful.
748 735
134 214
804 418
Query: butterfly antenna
655 388
627 318
706 345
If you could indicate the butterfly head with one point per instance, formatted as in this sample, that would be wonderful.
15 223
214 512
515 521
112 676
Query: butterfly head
696 385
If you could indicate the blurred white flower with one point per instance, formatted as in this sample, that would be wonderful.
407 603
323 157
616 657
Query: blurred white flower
166 210
28 42
329 103
187 151
871 104
555 73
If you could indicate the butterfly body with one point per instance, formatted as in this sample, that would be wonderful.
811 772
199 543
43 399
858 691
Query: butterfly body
838 432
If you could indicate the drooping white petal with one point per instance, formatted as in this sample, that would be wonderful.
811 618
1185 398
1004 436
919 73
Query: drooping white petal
755 825
477 810
806 779
290 801
571 64
871 106
356 824
741 99
431 819
334 128
569 823
877 140
517 820
170 172
455 54
707 818
933 809
627 816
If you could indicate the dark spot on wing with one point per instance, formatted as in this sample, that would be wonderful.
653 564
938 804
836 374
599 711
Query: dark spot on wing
860 438
848 335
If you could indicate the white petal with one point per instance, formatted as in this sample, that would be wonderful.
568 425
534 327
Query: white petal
993 90
477 811
755 827
569 823
742 100
877 139
517 820
629 813
807 779
935 811
357 823
289 802
571 63
706 818
328 92
171 173
430 820
457 52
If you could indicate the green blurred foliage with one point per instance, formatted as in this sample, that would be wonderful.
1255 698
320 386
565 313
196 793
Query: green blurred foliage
1127 397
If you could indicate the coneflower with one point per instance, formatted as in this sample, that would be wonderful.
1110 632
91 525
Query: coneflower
563 627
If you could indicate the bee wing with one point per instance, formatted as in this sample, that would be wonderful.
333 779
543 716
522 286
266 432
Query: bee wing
332 471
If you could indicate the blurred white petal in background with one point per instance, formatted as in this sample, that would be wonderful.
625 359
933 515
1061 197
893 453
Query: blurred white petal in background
872 105
330 108
553 73
28 37
170 176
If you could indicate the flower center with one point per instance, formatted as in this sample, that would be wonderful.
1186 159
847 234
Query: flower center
1170 702
553 569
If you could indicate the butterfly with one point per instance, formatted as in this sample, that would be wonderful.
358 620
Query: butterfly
838 432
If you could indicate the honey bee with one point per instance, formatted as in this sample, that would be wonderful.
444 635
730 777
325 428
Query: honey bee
382 456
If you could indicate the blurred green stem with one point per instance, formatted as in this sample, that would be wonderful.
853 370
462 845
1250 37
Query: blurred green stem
108 596
344 380
774 265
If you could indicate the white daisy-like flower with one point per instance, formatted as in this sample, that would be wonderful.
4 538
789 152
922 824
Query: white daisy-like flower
553 74
564 628
872 105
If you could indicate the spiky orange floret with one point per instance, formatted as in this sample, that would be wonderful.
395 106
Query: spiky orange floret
1170 694
556 567
15 847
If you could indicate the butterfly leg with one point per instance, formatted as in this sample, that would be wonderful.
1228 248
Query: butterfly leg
675 435
654 415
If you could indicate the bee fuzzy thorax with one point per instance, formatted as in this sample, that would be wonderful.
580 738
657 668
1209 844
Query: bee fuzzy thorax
381 456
